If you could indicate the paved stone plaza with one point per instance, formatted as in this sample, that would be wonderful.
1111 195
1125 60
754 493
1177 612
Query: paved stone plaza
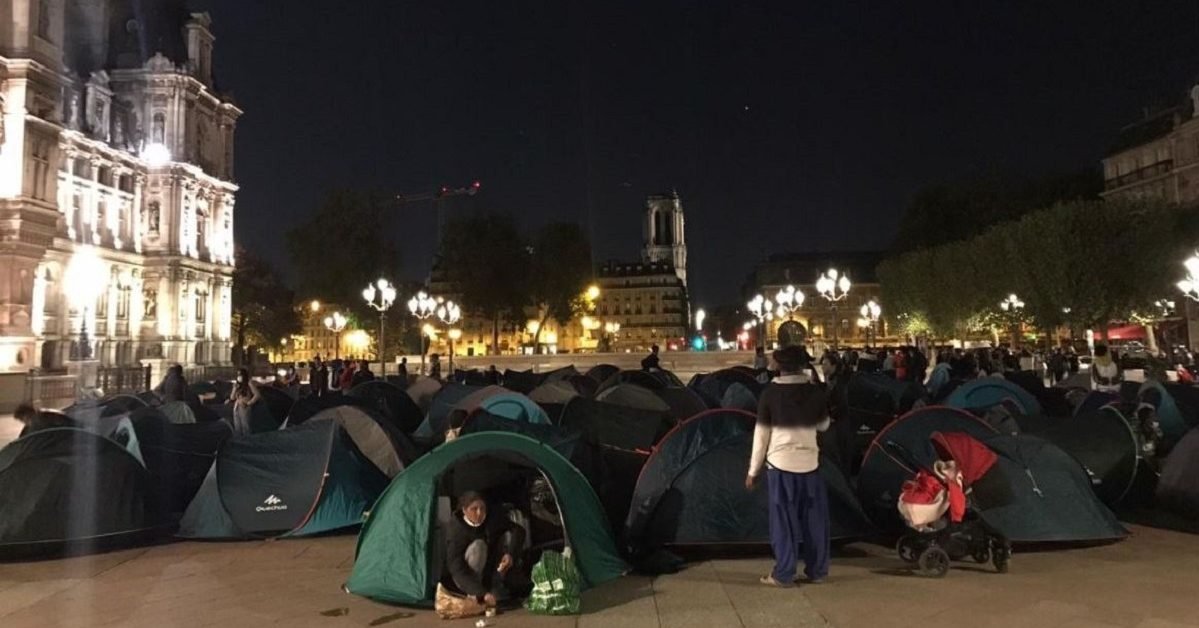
1147 581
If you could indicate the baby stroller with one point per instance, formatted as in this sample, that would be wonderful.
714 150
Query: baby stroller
940 507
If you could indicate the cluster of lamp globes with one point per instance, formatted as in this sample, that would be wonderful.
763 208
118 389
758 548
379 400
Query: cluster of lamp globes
832 285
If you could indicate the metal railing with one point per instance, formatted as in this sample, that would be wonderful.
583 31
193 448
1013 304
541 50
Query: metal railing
204 373
1140 174
123 379
50 389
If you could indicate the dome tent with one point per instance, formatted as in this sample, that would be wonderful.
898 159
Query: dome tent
601 372
422 390
391 402
70 489
633 396
445 401
300 481
1178 486
683 402
691 489
983 393
375 437
393 562
1106 446
177 457
1051 496
514 406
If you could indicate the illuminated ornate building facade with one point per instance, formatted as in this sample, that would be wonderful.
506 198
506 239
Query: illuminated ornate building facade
116 186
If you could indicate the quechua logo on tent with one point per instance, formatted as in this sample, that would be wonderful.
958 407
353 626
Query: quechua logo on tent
272 502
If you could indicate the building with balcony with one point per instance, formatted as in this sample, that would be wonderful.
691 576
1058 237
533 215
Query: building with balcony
1157 156
819 318
116 186
649 302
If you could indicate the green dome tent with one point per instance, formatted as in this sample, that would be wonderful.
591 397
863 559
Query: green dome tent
398 558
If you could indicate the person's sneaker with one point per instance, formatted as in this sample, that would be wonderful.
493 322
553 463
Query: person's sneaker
769 581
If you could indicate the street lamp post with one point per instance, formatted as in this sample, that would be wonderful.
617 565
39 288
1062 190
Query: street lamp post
763 310
335 323
387 295
611 328
870 312
422 306
454 334
449 313
1190 285
1012 306
834 287
789 301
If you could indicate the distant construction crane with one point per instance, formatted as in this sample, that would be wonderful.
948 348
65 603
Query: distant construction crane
436 197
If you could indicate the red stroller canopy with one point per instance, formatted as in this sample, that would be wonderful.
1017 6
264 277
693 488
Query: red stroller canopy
973 458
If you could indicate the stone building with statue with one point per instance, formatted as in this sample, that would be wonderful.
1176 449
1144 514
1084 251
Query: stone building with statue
116 187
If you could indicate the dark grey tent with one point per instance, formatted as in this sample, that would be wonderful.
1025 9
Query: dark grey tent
876 399
376 438
1106 446
601 372
1178 486
295 482
522 382
563 441
307 407
615 442
563 373
683 403
738 397
644 379
713 386
437 420
276 401
614 425
1050 493
391 402
65 489
177 457
691 490
633 396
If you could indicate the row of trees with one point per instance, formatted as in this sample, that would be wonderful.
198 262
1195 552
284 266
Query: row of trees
499 273
352 239
1079 263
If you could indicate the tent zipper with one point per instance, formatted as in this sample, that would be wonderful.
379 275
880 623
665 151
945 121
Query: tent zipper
1036 489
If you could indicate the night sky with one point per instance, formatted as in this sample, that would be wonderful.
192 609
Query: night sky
784 126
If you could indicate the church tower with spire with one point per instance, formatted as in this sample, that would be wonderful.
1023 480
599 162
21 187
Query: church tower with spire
664 233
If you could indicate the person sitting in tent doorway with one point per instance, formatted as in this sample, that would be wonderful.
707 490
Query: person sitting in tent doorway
792 409
481 552
244 395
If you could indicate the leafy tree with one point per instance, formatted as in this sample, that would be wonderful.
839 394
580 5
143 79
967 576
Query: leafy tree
560 269
263 306
484 257
1083 263
342 247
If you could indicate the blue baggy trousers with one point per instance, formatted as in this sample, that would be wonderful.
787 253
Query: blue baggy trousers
798 522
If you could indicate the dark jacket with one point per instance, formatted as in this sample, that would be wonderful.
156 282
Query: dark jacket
362 375
172 388
651 362
460 535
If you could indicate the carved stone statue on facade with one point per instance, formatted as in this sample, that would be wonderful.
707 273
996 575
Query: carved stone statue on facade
150 299
73 111
152 220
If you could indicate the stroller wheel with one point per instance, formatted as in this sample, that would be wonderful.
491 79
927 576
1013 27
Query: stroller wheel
1001 556
907 549
982 556
933 562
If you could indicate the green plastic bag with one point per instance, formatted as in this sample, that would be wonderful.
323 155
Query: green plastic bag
557 585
